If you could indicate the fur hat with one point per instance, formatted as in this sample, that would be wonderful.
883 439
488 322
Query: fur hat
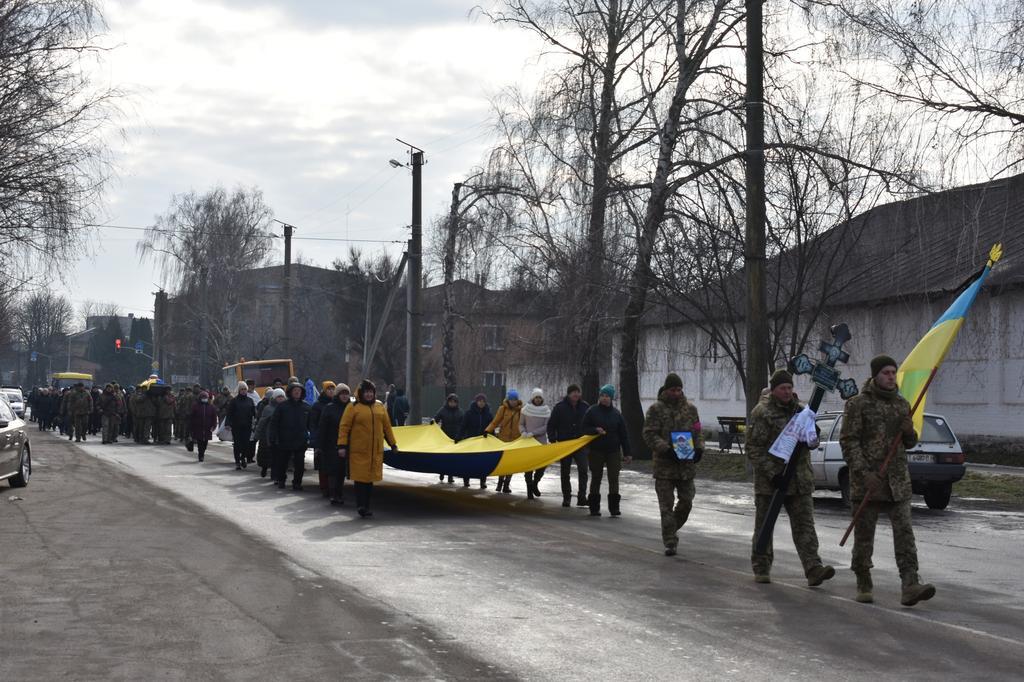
365 385
779 377
880 362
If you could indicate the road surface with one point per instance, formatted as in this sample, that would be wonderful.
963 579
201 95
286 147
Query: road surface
468 583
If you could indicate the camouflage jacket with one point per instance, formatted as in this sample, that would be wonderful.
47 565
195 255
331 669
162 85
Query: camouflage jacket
767 420
662 419
165 406
110 404
78 403
871 422
183 405
144 406
220 403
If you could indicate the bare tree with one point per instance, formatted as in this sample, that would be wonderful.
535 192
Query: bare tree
51 153
42 322
91 308
201 246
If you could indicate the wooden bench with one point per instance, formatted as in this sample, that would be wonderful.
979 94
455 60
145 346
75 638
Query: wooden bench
732 431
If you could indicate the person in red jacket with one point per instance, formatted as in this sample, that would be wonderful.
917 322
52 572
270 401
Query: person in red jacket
202 422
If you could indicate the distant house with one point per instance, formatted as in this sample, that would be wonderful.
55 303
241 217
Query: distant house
908 261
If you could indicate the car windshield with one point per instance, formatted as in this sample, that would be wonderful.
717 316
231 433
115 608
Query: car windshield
936 430
13 396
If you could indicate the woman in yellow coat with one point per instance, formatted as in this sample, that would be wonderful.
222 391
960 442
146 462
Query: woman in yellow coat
506 425
363 430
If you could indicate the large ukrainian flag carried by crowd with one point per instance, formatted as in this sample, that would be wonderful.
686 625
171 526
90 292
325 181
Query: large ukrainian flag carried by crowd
914 374
427 449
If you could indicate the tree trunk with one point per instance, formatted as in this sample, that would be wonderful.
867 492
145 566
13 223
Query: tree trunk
448 314
594 292
643 279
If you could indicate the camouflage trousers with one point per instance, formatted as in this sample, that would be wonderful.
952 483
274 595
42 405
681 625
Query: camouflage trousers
800 509
902 536
162 430
80 426
143 425
111 425
673 513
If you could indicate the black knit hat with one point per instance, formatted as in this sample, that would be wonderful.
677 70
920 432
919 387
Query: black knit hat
779 377
672 381
880 362
365 385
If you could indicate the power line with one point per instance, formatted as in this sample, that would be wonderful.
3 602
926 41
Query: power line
228 234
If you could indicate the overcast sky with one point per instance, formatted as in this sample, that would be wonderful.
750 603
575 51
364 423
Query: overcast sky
300 98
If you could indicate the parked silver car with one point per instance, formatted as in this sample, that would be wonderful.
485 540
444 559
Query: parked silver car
935 463
15 451
15 398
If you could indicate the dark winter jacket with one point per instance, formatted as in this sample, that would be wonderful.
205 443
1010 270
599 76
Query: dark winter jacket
450 419
314 414
326 435
609 419
289 424
202 421
400 410
474 421
240 415
566 421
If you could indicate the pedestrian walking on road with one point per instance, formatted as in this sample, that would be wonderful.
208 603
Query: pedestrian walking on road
202 421
328 426
265 454
363 431
400 409
77 406
289 436
505 426
534 424
316 409
240 416
566 423
609 451
449 417
474 424
110 413
767 421
872 420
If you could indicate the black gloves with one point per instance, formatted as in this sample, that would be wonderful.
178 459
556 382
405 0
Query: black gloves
697 454
779 481
486 434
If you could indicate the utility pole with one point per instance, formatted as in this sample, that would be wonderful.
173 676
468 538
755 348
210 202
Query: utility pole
204 326
754 242
413 366
160 322
286 312
368 328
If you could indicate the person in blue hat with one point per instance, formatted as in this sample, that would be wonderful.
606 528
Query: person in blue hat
505 426
610 449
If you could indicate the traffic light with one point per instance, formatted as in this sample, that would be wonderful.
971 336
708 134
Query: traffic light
117 345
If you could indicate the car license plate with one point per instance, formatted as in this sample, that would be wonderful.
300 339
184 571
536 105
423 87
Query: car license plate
921 458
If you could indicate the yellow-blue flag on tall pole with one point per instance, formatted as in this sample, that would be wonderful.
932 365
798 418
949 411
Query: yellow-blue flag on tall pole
931 350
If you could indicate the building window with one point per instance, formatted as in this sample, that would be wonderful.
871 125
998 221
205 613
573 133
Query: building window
494 337
494 379
427 334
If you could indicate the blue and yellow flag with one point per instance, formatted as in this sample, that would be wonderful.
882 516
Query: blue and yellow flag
930 351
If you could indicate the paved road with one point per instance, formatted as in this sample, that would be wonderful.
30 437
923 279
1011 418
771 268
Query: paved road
541 592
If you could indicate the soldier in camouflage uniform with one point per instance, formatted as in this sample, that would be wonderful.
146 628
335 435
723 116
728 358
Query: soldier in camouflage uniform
79 408
672 477
164 418
220 402
110 411
145 410
767 420
182 410
872 420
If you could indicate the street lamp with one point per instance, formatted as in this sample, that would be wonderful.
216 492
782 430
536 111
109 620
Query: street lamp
396 164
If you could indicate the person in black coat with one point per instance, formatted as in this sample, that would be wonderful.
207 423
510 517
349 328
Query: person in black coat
289 437
450 419
334 467
609 450
474 422
566 423
326 396
240 416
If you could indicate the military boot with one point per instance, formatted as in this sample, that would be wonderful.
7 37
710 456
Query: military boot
594 502
613 505
864 587
819 574
914 591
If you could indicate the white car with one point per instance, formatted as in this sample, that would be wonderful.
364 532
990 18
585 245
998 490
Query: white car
935 463
15 399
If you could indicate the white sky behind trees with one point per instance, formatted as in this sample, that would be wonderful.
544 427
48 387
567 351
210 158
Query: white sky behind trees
300 98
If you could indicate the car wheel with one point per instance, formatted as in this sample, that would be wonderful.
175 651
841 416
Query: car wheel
936 495
20 480
844 486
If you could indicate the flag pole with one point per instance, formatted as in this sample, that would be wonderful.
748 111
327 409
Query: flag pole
885 465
